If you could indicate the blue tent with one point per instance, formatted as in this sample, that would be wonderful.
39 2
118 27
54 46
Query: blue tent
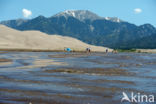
68 49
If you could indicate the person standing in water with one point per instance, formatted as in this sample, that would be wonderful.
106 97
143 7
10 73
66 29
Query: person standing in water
106 50
88 50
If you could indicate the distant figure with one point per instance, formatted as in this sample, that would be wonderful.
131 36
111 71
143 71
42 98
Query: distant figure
115 51
106 50
88 50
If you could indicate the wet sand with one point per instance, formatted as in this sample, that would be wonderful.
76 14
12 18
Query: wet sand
5 60
74 78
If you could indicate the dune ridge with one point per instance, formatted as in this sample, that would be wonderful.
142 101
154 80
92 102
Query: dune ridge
36 40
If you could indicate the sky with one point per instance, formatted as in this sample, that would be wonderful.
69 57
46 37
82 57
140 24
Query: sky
134 11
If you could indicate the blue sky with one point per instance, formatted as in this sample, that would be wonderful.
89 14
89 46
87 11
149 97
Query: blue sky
134 11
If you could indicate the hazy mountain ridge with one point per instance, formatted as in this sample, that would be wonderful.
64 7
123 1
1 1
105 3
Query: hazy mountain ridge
88 27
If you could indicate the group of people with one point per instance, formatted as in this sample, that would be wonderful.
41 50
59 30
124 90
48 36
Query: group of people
88 50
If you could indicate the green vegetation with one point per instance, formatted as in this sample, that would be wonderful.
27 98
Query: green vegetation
126 50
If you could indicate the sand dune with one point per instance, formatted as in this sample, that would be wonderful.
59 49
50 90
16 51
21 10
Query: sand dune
35 40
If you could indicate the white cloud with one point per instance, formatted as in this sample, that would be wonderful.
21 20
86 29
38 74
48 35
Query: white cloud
137 10
26 13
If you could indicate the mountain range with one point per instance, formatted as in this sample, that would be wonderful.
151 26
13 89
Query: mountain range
90 28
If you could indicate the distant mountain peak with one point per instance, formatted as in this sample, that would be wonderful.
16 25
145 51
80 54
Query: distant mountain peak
41 16
84 15
70 12
147 26
79 14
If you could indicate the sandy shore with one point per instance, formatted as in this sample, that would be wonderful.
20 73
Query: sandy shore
146 50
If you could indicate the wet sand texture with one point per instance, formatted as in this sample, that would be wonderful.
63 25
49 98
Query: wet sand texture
74 78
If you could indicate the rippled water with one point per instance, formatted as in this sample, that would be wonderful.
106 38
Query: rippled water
97 78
